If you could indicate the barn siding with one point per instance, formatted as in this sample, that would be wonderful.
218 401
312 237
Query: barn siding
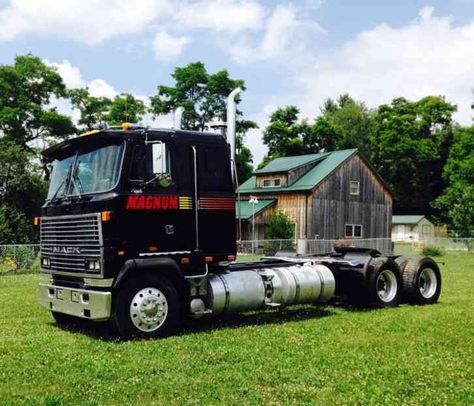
333 207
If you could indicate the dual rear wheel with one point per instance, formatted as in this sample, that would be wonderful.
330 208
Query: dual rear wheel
412 280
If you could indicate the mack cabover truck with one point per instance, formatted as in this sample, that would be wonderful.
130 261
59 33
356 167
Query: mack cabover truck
139 228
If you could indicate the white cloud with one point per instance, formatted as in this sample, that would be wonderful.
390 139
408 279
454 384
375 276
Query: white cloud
100 88
221 15
288 35
90 22
72 78
167 46
70 74
429 56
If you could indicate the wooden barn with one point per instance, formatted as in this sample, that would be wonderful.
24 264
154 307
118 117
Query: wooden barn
330 195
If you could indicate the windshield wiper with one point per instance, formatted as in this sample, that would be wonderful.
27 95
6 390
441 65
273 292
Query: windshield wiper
65 181
73 177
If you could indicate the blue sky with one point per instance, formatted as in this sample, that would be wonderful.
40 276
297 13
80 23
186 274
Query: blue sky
298 52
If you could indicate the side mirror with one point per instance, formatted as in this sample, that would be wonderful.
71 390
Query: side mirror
160 158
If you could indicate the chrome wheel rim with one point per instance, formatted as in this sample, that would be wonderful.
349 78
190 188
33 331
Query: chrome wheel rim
386 285
427 283
148 309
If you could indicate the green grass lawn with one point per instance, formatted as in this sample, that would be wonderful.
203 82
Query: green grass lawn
305 355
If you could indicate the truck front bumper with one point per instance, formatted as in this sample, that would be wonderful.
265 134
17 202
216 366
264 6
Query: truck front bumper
88 304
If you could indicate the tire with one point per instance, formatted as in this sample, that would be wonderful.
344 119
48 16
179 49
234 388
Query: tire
421 281
146 307
371 294
65 320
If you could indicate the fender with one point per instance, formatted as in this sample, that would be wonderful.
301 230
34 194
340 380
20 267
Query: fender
166 266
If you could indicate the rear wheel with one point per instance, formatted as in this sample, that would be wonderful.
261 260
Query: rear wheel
421 281
384 287
381 288
147 307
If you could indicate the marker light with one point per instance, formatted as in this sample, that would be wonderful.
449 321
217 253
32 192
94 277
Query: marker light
36 221
106 215
126 126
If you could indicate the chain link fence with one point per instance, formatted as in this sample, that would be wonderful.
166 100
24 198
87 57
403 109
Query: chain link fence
19 258
384 245
310 247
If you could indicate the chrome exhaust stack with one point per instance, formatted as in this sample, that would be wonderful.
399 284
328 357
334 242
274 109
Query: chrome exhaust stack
177 117
231 124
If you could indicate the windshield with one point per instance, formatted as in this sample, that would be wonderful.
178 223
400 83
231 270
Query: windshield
86 172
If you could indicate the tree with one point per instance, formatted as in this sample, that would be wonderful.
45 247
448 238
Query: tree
457 200
26 90
351 121
22 192
286 135
125 108
93 110
410 144
204 97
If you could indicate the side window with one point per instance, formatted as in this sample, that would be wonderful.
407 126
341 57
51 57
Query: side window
213 170
138 171
150 166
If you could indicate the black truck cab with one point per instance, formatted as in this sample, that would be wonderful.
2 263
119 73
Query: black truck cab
124 194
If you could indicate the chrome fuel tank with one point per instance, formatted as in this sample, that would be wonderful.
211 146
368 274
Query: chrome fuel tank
276 286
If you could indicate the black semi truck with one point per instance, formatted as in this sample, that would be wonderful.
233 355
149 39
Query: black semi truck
139 229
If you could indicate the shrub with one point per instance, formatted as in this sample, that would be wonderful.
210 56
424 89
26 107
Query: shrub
279 227
432 251
7 265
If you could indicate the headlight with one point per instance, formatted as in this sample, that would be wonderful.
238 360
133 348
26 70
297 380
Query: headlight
93 265
45 262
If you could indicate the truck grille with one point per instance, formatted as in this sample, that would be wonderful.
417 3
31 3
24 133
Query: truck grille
69 241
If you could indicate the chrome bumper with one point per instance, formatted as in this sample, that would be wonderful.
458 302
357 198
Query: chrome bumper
88 304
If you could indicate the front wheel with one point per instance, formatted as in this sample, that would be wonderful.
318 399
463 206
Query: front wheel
146 306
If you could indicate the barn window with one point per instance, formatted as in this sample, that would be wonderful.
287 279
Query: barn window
271 182
353 231
354 187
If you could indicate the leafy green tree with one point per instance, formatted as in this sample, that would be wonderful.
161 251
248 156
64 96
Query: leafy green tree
410 144
286 135
26 90
351 121
93 110
457 200
323 135
125 108
22 192
204 98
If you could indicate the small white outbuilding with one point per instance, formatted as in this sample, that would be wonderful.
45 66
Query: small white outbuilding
412 228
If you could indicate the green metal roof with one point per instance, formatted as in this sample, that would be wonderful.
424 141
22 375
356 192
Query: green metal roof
407 219
327 163
287 163
246 209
